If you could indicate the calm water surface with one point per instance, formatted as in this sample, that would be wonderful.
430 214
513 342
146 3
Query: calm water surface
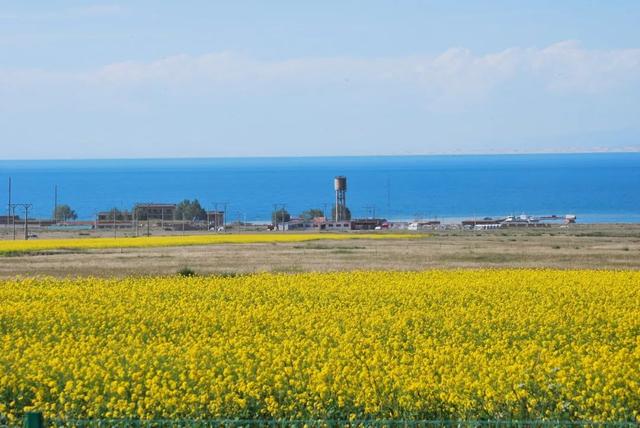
596 187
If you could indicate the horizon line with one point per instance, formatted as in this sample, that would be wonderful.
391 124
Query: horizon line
434 154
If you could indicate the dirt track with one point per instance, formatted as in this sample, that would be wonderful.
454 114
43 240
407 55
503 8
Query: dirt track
591 247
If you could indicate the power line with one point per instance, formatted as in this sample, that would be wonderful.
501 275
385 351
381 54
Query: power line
26 207
148 220
12 209
224 214
55 204
279 209
371 210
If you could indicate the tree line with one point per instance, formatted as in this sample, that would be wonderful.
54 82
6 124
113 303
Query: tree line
282 215
193 210
188 210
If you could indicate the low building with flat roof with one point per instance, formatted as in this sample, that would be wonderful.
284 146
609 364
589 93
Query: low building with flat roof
105 216
215 218
154 211
368 223
114 219
9 219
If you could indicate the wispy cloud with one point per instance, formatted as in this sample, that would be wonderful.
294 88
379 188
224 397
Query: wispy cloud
456 75
562 66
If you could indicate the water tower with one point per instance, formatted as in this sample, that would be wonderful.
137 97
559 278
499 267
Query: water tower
340 185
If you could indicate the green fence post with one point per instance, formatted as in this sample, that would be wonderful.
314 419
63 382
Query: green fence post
33 420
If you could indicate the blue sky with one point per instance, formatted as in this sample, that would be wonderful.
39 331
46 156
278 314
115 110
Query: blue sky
200 78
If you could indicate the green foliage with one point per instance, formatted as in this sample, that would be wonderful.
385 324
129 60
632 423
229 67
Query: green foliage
186 271
346 214
280 216
311 214
64 213
190 210
116 214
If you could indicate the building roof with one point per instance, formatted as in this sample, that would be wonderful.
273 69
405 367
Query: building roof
154 205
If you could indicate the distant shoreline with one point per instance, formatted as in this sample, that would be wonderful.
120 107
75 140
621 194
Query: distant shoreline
632 150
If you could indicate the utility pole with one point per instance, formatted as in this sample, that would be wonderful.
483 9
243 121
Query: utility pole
276 220
148 225
55 204
135 220
13 219
371 210
242 219
275 215
26 220
26 207
224 216
279 210
9 205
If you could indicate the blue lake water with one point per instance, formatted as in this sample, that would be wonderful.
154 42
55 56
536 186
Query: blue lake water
595 187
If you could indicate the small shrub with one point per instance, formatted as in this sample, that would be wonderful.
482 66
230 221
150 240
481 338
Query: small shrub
186 271
227 274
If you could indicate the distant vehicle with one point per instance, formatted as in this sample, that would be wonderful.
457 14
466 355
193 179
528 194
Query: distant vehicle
377 228
33 235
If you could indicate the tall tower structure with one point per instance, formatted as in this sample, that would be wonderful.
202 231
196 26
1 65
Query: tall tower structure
340 186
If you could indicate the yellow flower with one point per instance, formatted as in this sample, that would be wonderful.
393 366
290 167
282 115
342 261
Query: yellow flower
8 246
470 344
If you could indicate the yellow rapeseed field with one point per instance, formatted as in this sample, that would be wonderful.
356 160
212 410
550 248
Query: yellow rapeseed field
11 246
473 344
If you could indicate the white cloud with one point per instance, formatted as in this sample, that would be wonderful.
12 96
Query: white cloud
566 66
457 76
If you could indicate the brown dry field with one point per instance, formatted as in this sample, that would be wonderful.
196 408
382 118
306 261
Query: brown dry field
577 247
